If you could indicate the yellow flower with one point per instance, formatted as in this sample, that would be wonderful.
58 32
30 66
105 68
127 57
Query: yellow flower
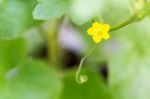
99 31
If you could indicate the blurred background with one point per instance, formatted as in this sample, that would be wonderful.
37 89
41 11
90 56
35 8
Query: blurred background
43 41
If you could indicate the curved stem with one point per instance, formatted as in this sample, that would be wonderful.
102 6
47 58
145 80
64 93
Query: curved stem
124 23
135 17
83 78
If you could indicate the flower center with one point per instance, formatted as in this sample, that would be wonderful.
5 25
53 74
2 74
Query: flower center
99 31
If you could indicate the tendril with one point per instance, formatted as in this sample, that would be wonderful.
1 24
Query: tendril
83 77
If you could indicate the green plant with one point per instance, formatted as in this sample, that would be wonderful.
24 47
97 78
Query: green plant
33 59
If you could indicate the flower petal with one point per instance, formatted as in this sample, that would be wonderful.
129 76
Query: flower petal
97 25
97 39
90 31
105 28
105 36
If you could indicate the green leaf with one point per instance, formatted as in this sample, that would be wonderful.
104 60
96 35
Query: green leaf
16 17
80 11
49 9
83 11
94 88
12 53
33 80
121 9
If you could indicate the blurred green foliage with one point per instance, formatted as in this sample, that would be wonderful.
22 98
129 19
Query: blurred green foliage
16 17
30 80
94 88
126 54
10 49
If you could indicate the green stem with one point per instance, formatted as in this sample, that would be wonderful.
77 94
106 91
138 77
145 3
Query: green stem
124 23
52 38
135 17
83 78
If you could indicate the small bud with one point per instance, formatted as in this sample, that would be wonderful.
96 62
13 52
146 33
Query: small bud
83 79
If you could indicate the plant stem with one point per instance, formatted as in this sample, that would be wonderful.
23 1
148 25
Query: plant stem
83 78
52 40
124 23
135 17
